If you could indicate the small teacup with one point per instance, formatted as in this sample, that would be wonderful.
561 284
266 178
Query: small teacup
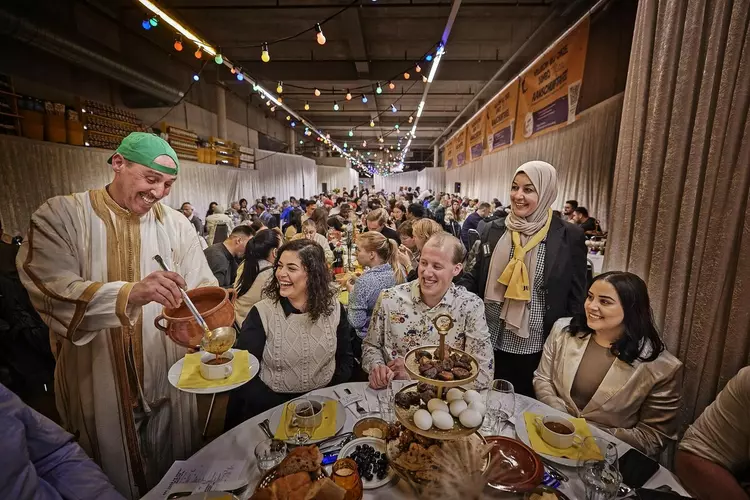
216 368
558 432
304 417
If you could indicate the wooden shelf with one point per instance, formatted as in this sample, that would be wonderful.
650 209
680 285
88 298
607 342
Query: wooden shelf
5 92
89 132
89 113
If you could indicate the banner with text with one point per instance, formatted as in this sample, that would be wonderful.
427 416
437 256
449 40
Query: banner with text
459 148
449 158
501 118
550 89
476 137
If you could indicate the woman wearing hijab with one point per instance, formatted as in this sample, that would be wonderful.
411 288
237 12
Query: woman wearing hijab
530 271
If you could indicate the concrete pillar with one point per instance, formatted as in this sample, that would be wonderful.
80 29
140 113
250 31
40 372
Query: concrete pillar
292 138
221 112
436 156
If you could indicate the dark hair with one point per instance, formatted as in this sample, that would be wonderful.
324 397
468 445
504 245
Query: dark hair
638 319
582 211
243 200
416 210
572 203
401 207
557 214
321 296
243 230
211 208
320 217
260 206
256 250
182 207
484 205
257 225
295 220
406 229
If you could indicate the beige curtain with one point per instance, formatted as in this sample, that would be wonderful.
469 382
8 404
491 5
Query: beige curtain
680 216
583 154
427 178
283 175
336 177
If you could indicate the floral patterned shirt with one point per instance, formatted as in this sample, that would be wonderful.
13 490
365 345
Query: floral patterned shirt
402 322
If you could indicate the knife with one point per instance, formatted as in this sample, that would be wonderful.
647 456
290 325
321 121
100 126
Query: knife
554 471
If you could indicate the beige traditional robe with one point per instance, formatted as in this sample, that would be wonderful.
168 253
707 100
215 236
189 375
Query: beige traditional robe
82 256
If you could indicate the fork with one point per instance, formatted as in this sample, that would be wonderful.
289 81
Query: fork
360 410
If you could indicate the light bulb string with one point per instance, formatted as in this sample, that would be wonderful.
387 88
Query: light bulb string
291 37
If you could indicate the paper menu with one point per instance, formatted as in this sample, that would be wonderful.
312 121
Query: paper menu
214 475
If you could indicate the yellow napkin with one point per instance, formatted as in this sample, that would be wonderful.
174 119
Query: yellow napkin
344 298
540 446
191 377
327 427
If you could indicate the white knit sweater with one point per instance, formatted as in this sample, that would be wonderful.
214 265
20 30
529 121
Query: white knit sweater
299 355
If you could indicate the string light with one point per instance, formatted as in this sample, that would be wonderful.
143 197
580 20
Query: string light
391 85
380 139
364 144
428 58
240 76
320 37
233 70
418 68
364 98
264 55
278 98
379 89
348 95
198 53
293 124
178 45
280 87
351 134
372 123
396 126
407 76
273 108
424 79
153 21
146 25
346 145
411 119
288 117
335 106
196 77
218 59
307 106
393 108
317 93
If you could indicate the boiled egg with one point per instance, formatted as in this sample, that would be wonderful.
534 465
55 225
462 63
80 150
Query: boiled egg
470 418
436 404
478 406
442 420
472 395
454 394
458 406
423 419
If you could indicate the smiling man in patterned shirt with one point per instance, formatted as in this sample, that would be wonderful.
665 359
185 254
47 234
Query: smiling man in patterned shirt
402 318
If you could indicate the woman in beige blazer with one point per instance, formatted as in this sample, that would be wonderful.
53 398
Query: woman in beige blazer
255 271
610 367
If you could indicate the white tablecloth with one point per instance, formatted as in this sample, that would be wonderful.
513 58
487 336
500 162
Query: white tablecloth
239 444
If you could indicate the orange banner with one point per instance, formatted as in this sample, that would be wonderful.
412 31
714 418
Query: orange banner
476 137
459 148
501 118
550 89
449 158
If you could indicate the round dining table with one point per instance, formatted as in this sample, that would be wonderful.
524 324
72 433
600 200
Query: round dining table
239 443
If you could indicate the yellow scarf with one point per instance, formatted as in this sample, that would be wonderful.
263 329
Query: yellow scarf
516 275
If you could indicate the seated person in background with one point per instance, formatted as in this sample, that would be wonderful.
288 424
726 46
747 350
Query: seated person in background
472 221
609 366
42 461
320 217
217 217
255 272
568 214
377 220
414 211
408 245
402 319
423 230
223 257
380 255
581 217
713 459
294 226
187 210
310 232
300 334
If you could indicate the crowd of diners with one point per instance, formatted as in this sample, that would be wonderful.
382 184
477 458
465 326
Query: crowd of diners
513 277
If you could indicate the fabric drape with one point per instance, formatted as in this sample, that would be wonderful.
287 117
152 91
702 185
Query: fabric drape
428 178
336 178
583 154
680 217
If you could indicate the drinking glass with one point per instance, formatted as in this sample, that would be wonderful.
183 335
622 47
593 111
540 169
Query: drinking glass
385 404
501 406
345 474
269 453
599 474
300 426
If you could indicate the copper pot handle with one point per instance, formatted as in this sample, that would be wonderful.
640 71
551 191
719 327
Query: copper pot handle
157 325
231 295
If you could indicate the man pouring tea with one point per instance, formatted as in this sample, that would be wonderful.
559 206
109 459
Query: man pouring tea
88 266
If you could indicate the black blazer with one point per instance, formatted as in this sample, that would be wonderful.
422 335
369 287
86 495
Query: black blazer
564 268
390 234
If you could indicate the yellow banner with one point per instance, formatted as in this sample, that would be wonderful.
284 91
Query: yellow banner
459 148
501 118
550 89
449 158
476 137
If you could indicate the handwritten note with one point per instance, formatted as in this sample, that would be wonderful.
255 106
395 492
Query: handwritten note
216 475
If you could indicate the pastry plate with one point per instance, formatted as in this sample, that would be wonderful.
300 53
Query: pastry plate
411 363
406 417
378 445
176 370
340 418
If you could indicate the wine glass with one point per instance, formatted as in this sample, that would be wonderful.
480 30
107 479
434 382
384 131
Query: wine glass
385 404
598 468
501 405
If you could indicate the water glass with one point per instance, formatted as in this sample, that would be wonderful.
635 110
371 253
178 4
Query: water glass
599 474
269 453
501 406
385 404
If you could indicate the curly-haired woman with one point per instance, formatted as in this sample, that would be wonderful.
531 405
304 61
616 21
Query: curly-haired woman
300 334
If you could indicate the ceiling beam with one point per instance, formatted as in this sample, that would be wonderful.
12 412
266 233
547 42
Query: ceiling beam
337 5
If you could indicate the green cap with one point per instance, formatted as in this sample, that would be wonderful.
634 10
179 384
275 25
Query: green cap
144 148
